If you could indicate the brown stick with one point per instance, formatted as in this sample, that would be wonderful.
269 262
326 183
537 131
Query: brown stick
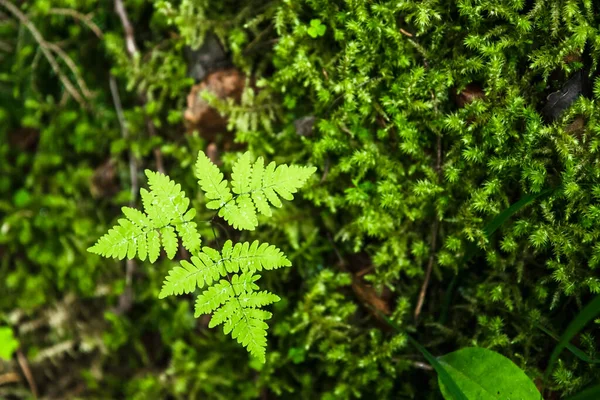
406 33
125 134
9 377
27 372
434 233
73 67
423 291
126 298
157 153
132 50
45 50
86 19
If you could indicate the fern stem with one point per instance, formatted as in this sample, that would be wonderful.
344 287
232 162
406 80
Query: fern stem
235 295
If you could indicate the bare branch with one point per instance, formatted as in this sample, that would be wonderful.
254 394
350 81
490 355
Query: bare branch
9 377
27 372
114 90
132 48
126 299
86 19
45 50
72 66
423 292
436 224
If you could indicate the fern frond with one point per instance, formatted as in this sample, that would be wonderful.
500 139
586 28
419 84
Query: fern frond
185 278
243 301
281 181
241 215
210 179
250 330
254 187
218 294
252 257
166 217
236 304
231 293
209 266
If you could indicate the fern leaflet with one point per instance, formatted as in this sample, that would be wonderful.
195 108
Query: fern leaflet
166 216
236 304
209 266
254 187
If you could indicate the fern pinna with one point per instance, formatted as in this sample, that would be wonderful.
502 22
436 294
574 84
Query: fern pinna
228 276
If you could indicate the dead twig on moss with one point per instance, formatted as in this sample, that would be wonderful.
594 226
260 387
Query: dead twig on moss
27 372
45 50
132 48
434 230
126 298
72 67
133 52
86 19
9 377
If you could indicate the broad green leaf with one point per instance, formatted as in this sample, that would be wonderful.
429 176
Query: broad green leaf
486 375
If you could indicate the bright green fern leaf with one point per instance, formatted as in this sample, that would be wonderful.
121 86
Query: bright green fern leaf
254 187
209 266
250 330
252 257
215 296
242 174
166 217
210 179
185 278
228 276
236 304
246 300
241 215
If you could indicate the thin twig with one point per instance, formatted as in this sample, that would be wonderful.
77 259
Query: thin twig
86 19
434 234
126 298
133 51
27 372
9 377
406 33
125 134
132 48
422 365
160 167
423 291
45 49
72 66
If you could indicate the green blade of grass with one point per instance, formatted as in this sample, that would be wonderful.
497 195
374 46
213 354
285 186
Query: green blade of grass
592 393
501 218
588 313
573 349
489 229
445 377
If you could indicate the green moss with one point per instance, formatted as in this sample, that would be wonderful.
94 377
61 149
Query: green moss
430 119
